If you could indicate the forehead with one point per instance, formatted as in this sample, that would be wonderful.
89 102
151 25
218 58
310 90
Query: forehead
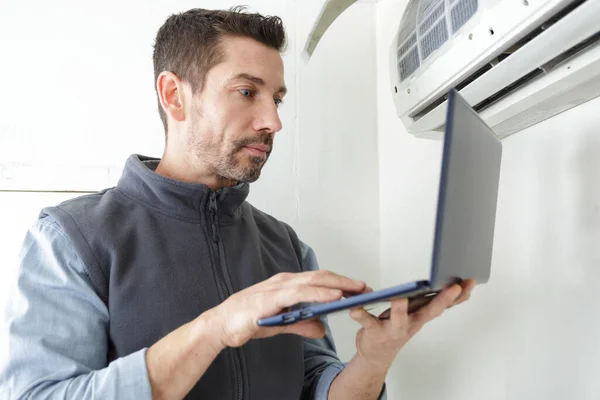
247 56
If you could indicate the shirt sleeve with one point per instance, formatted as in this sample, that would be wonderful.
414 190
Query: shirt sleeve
56 329
321 363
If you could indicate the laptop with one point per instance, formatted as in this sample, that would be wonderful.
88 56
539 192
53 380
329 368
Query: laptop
464 226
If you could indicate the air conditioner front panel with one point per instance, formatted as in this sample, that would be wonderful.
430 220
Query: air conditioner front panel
521 89
471 47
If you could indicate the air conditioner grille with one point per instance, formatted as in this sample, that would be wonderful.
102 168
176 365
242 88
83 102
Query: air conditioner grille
426 26
409 21
432 19
410 63
407 45
462 12
434 39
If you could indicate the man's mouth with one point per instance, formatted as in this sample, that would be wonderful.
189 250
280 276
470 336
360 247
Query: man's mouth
259 150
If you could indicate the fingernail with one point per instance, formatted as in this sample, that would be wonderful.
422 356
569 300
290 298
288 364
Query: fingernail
360 283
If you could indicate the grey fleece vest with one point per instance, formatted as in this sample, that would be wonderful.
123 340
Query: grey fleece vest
161 252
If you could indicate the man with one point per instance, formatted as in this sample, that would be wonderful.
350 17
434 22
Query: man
153 289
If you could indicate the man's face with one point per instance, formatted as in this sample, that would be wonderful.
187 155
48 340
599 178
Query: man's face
234 118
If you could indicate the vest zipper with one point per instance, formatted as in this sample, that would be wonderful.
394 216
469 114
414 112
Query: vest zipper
214 234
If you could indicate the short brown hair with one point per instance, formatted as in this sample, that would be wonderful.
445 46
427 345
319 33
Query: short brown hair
188 43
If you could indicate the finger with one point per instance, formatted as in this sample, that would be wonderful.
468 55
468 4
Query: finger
321 278
469 284
437 306
461 299
367 289
367 320
416 303
287 297
448 295
467 288
399 313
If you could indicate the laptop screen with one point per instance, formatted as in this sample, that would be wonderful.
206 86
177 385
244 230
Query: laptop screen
468 193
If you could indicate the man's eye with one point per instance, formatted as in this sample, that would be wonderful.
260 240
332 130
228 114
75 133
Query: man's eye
278 102
246 92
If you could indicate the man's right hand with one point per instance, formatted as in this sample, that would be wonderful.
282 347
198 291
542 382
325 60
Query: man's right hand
176 362
236 318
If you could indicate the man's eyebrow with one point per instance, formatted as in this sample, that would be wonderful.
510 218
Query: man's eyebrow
256 80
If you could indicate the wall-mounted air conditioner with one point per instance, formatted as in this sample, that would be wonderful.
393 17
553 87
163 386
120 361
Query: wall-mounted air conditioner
517 62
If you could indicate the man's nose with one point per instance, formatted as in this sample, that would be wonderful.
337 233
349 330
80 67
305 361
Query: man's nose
268 119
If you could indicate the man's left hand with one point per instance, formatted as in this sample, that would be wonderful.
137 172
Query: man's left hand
378 341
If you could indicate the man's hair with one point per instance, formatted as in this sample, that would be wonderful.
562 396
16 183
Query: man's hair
188 43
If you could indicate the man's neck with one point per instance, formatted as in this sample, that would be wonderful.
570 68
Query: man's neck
180 169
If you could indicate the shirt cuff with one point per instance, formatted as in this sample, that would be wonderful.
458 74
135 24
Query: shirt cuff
133 374
325 380
327 377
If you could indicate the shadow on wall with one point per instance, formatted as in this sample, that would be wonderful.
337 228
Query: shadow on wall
584 165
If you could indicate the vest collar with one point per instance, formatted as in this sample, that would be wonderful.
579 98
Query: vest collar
188 200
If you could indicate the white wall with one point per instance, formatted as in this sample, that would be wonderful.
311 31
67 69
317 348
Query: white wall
338 181
532 331
79 99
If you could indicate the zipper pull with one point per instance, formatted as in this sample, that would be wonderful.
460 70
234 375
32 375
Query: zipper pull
212 207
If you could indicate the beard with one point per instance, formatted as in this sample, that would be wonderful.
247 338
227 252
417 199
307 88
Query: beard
227 159
236 164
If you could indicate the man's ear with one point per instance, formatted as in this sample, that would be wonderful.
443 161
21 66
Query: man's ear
171 95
